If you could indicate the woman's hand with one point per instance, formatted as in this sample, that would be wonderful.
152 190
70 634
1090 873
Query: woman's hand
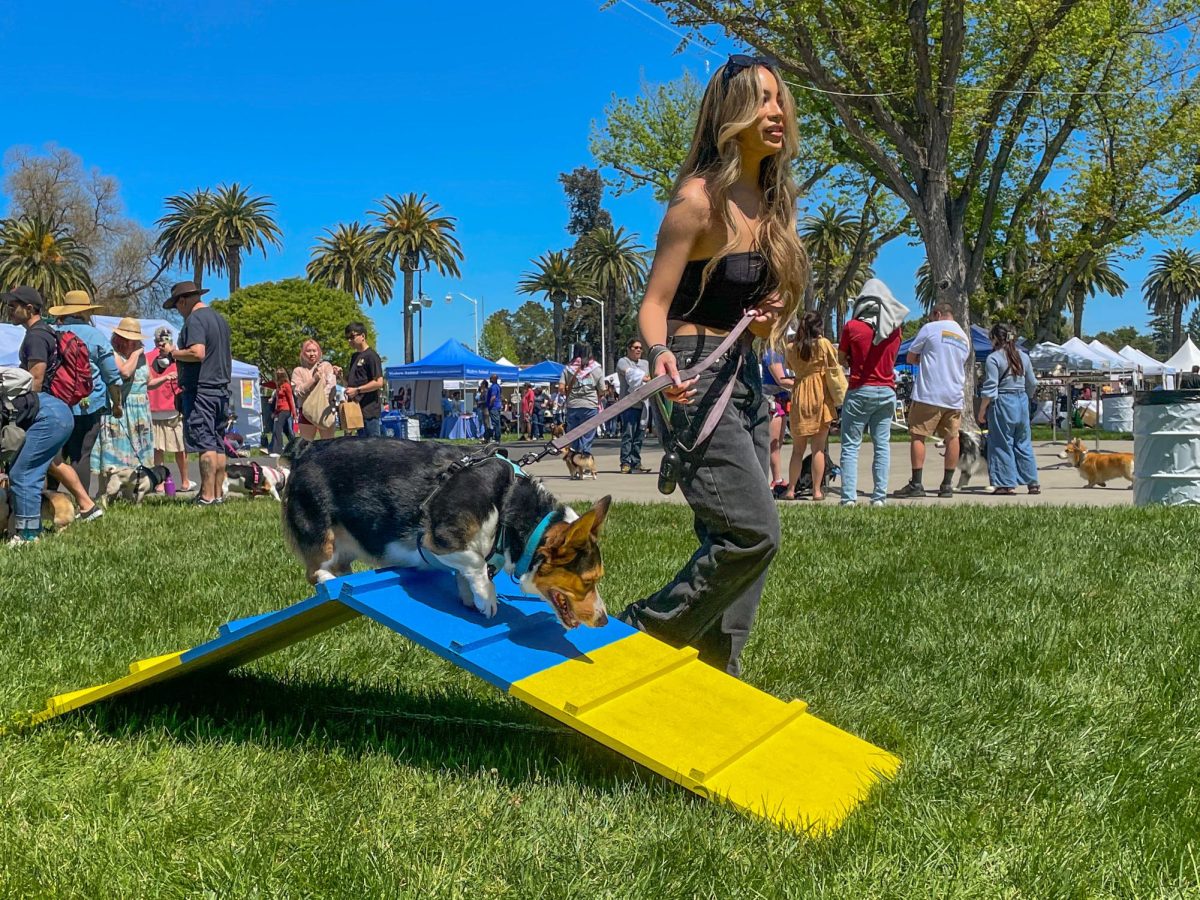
682 392
766 314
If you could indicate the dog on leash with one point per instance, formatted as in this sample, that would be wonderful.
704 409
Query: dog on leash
422 505
579 465
132 484
57 508
1098 467
972 456
253 480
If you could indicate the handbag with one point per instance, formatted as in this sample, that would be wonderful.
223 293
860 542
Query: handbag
317 408
351 415
836 384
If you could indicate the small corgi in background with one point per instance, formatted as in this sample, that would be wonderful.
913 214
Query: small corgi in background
1098 467
580 465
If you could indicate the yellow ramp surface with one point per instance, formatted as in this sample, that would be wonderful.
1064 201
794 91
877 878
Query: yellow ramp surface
711 733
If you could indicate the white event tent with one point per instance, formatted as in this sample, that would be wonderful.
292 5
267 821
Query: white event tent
1185 357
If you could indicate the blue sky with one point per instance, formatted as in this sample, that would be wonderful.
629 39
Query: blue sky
327 106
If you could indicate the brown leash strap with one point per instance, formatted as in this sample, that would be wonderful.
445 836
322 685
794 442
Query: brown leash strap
649 389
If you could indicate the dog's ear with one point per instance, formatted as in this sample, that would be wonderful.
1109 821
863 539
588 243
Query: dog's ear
587 525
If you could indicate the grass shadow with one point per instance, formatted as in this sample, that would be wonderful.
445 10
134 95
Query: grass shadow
459 733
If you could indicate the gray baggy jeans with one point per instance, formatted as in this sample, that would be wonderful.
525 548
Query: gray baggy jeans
711 602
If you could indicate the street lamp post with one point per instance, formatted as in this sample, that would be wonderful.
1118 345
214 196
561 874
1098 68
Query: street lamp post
603 329
475 303
418 305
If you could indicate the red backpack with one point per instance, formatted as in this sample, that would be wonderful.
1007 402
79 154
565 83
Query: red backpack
70 377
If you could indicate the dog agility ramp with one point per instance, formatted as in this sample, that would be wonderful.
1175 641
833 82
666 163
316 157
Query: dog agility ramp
660 706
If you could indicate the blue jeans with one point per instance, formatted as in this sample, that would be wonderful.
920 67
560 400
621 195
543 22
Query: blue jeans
578 417
867 409
43 439
494 424
631 436
1010 442
370 427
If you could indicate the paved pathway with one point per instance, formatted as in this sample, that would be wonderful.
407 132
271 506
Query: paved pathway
1061 484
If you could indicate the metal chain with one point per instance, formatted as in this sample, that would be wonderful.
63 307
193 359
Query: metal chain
527 727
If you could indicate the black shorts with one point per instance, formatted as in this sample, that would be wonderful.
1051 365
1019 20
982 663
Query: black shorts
204 419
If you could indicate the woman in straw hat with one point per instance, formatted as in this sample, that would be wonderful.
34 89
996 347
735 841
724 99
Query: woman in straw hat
127 442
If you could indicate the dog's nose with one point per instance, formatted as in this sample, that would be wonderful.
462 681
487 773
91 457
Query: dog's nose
601 620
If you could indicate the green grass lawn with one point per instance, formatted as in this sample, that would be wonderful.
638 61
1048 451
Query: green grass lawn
1035 668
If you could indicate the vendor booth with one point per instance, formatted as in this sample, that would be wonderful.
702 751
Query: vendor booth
425 380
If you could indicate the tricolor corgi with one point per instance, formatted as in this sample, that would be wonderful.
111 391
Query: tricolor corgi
405 503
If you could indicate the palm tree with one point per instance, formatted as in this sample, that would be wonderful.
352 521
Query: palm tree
237 221
1172 284
183 238
349 259
555 276
412 234
1099 275
615 263
34 253
828 237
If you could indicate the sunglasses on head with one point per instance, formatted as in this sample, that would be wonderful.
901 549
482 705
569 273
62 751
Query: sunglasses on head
739 62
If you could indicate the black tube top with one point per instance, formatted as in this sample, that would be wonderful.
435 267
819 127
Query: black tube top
738 281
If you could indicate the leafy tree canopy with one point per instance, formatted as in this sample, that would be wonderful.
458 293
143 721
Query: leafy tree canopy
496 338
269 321
533 332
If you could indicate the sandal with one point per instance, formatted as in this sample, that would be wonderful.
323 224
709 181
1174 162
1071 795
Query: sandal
784 496
1035 488
1004 492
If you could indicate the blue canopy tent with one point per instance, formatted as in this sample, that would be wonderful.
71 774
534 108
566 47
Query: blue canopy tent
545 372
451 362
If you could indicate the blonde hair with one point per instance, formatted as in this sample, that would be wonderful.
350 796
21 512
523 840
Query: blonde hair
730 106
304 346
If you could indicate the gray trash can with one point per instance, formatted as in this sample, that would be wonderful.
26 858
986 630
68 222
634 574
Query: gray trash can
1166 447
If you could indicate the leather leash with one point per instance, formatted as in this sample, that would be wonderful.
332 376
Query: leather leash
649 389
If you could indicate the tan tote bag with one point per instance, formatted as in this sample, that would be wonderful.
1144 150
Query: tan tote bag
316 407
836 384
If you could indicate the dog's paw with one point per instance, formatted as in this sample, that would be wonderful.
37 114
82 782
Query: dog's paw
487 605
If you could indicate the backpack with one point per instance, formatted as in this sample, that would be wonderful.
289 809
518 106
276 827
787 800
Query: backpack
70 377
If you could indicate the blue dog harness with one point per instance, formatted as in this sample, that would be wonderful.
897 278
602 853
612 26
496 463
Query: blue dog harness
495 560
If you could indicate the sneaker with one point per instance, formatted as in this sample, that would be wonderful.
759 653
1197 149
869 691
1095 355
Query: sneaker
945 491
22 540
844 503
877 503
200 501
910 491
91 515
625 470
641 470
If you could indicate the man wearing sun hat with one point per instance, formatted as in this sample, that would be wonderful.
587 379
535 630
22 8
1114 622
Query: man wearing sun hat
73 468
205 361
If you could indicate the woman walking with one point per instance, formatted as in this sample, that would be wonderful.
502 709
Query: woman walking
727 245
313 374
809 356
777 385
584 381
127 442
1009 384
283 431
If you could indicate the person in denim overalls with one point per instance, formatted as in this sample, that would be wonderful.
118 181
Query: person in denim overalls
728 244
1008 386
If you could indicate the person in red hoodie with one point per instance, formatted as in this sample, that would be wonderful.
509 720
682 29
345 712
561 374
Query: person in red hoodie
166 419
527 412
868 346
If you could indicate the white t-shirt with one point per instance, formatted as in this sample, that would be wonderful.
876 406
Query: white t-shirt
943 349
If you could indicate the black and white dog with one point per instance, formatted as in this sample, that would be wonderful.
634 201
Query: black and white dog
972 456
417 505
131 484
253 480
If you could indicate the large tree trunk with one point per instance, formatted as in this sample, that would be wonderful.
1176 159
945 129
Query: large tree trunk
235 269
1077 315
408 319
198 274
1176 325
946 250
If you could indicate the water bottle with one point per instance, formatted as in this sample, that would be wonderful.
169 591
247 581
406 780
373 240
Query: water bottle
169 485
669 471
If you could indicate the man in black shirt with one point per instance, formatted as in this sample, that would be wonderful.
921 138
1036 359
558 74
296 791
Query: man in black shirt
364 378
205 362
